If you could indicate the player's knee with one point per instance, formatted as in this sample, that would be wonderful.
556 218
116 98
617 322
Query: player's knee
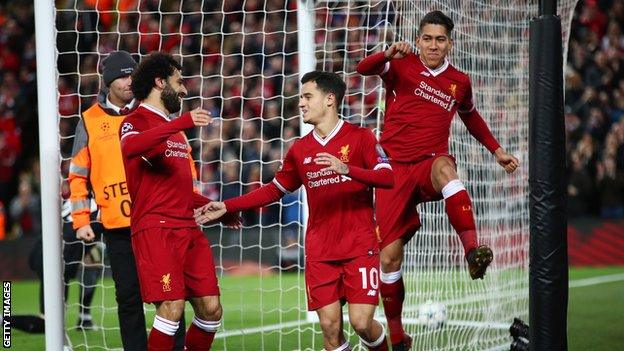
390 263
170 310
330 326
216 312
210 309
443 171
361 324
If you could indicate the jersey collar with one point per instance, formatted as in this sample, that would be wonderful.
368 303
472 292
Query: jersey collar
324 141
437 71
155 110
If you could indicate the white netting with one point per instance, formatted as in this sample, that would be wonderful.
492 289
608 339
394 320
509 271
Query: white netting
241 62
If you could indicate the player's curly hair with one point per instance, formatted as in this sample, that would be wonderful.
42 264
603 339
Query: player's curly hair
437 17
327 82
155 65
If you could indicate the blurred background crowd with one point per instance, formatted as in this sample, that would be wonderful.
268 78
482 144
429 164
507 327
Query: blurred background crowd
594 110
243 68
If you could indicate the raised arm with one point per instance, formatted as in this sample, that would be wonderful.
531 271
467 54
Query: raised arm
372 65
376 64
150 142
136 142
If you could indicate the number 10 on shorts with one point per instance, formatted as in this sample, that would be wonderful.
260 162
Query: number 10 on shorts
369 279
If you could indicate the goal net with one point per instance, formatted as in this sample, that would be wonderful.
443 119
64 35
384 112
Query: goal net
242 61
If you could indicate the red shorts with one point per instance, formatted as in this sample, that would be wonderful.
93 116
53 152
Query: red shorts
395 208
174 264
355 279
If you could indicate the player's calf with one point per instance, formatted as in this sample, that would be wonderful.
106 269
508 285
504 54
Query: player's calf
378 341
201 333
161 336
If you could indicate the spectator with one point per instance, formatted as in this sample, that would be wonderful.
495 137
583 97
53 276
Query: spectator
610 188
25 209
581 192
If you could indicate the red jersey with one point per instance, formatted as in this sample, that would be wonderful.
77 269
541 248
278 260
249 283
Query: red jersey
420 105
158 169
340 223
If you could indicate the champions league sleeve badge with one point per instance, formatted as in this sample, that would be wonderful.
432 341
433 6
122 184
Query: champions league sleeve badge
383 158
126 127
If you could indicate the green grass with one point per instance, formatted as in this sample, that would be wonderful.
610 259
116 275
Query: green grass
594 319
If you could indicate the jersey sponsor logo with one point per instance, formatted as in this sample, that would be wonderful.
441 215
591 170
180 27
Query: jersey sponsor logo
177 145
176 149
318 174
166 282
324 181
126 127
176 153
383 158
344 153
435 96
307 160
334 179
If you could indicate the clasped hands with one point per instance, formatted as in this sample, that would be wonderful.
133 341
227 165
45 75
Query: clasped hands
215 210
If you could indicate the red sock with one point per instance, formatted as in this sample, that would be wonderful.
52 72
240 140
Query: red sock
159 341
392 296
459 211
381 347
198 339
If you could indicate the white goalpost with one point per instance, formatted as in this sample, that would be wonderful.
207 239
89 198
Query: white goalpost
242 61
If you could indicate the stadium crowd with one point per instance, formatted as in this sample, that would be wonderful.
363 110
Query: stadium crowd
594 110
248 79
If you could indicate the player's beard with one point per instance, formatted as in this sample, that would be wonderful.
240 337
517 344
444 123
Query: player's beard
171 99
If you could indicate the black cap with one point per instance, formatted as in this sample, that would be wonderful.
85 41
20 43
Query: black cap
116 65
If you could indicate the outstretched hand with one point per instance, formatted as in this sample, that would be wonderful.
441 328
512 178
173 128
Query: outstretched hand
398 50
201 117
508 161
209 212
327 159
215 210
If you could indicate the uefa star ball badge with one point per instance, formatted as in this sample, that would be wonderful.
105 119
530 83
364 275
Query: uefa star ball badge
126 128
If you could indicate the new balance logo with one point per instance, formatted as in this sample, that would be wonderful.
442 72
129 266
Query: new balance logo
345 178
372 293
425 73
307 160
